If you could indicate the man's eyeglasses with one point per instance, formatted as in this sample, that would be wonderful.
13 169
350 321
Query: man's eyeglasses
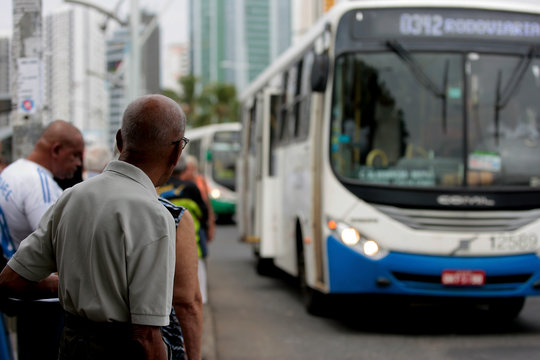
183 142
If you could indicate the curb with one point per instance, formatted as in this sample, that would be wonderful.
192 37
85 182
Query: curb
208 345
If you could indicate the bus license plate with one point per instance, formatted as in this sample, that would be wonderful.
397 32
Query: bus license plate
463 277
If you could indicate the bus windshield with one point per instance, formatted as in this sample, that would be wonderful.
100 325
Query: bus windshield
428 119
225 150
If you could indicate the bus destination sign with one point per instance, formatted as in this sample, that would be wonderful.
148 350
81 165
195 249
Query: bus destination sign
446 23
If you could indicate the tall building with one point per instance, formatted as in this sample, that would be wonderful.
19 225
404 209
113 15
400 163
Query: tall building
306 13
5 99
117 68
233 41
177 65
4 78
74 58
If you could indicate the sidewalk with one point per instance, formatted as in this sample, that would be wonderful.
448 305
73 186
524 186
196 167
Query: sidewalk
208 335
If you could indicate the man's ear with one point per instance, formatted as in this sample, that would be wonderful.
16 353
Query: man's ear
175 155
119 142
55 149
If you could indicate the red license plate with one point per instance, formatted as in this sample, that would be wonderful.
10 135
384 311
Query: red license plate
463 277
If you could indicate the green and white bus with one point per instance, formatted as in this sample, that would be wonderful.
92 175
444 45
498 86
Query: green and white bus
216 148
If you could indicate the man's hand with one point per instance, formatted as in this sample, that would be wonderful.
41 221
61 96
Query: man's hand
14 285
148 343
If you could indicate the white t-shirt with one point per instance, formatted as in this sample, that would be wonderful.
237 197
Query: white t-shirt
27 190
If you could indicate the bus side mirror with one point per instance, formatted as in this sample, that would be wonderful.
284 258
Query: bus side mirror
319 72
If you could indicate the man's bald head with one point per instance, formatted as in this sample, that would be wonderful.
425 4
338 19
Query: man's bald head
61 131
59 149
152 122
151 126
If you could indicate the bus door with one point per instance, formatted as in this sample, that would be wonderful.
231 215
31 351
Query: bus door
243 179
267 200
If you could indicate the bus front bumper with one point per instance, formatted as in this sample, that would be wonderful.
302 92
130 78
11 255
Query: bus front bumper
223 207
411 274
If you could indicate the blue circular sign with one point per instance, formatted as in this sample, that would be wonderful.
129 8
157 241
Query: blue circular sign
27 105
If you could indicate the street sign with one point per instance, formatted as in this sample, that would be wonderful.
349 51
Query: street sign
29 85
27 106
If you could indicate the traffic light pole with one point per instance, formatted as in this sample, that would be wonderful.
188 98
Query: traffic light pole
26 79
134 60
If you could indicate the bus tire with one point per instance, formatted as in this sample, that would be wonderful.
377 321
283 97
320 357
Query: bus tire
506 309
315 302
264 266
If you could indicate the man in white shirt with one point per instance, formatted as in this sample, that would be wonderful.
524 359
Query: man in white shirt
27 186
27 190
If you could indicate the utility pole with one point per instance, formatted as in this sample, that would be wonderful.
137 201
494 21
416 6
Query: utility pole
133 86
134 82
27 76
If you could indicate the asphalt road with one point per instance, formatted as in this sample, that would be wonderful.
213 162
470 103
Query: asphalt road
252 317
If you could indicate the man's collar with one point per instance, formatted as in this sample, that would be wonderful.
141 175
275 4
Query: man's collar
132 172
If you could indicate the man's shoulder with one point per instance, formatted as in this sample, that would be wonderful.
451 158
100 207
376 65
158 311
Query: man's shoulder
20 167
117 195
112 187
23 173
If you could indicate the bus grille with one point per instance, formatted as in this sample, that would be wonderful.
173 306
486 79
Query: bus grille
477 221
501 279
433 283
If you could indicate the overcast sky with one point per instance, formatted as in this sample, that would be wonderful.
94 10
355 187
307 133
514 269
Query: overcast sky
173 20
173 17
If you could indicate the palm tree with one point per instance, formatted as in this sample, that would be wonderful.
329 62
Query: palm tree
224 106
188 97
216 103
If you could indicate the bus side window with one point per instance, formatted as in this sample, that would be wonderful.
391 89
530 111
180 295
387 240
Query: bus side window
194 148
297 99
305 97
252 135
292 93
274 128
283 119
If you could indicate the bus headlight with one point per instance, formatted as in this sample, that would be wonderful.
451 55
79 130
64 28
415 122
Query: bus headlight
349 236
371 248
352 238
215 193
222 194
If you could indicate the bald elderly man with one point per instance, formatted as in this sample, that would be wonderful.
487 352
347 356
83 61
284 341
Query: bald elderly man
28 189
112 243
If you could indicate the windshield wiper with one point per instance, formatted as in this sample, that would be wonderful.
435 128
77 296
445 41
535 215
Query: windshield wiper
443 97
421 76
503 97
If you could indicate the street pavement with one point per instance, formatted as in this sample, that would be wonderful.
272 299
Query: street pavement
208 337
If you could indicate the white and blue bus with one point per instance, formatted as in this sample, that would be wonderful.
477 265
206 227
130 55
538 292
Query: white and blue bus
395 150
216 148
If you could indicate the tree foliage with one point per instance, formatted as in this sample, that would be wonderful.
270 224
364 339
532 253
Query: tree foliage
215 103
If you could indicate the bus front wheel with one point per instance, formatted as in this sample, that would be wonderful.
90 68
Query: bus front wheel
506 309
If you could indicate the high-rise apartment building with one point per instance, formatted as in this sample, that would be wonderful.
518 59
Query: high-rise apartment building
74 58
117 69
5 99
177 65
233 41
5 93
306 13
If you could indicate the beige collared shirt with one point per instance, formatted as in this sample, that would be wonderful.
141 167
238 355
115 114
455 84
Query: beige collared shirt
113 245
